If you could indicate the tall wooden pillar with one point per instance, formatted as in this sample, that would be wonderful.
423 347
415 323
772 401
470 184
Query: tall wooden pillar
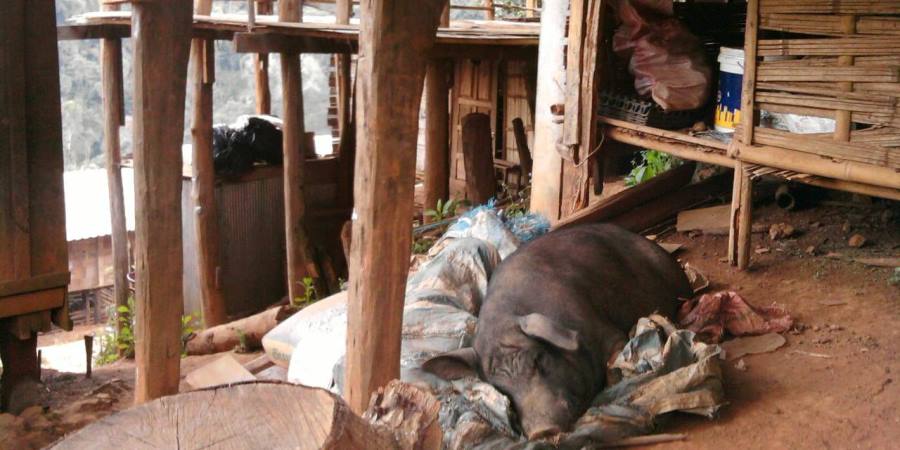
203 187
346 128
395 38
162 36
114 117
299 262
437 128
261 66
741 218
546 184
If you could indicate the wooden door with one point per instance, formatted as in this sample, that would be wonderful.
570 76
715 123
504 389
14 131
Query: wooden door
474 90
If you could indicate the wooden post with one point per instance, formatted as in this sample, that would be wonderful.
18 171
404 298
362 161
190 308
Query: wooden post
203 186
162 36
20 365
748 89
741 215
489 13
343 11
299 260
113 117
261 67
546 178
437 128
532 6
394 39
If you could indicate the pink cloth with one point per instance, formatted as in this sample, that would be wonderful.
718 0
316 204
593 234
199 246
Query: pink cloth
711 315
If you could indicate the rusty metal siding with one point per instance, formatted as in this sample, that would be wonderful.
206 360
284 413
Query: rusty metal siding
251 223
251 228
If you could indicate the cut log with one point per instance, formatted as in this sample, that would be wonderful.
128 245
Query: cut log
248 415
247 332
478 157
626 200
408 413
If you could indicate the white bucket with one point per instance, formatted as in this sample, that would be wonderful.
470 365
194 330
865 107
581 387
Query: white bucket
731 76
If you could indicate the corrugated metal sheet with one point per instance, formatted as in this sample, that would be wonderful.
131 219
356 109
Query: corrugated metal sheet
251 227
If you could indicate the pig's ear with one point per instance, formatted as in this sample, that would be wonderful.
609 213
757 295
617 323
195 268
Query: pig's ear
546 329
454 365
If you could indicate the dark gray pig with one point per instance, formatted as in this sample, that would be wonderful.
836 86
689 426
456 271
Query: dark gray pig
556 310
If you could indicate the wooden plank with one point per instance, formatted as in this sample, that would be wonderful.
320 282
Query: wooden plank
203 186
883 106
299 258
522 147
571 135
29 302
848 151
832 6
112 85
437 133
161 51
546 188
853 46
35 283
478 157
714 219
395 38
830 74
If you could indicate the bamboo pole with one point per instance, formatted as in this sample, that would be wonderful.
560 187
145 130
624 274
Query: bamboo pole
203 187
112 86
395 37
842 117
748 90
162 36
299 260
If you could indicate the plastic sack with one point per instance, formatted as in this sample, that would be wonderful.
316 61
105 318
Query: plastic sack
667 61
250 139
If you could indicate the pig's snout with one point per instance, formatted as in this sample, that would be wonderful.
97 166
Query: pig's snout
545 417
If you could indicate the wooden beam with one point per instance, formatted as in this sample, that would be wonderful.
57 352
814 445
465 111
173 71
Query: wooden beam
203 186
112 85
437 133
748 89
299 258
161 50
261 69
343 11
546 189
395 37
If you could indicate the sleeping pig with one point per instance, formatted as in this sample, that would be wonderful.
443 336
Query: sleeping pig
556 310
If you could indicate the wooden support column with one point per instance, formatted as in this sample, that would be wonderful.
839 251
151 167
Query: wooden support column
299 260
114 117
741 218
437 129
343 11
203 187
162 36
346 126
546 188
261 68
489 13
394 36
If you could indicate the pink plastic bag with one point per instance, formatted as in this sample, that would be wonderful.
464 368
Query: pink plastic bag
667 61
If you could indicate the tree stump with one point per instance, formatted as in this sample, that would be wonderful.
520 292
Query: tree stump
248 415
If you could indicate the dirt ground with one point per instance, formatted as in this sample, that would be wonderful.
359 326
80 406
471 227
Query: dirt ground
833 385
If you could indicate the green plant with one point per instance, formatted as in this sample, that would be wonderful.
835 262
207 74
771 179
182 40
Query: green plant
443 210
118 339
422 245
650 164
309 293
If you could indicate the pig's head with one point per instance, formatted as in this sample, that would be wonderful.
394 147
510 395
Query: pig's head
538 363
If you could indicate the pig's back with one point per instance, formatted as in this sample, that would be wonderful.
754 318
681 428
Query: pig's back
587 272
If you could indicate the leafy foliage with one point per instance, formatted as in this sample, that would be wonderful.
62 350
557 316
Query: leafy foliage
444 210
650 164
118 340
310 294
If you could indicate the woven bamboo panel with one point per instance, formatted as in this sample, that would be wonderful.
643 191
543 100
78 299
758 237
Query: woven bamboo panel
837 59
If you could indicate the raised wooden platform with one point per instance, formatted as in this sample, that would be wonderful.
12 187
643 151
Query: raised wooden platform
464 39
